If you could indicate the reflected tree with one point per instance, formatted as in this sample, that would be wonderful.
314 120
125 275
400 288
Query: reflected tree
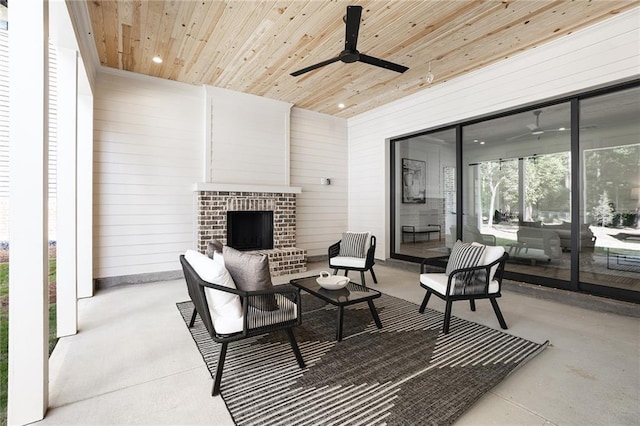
499 187
614 173
547 185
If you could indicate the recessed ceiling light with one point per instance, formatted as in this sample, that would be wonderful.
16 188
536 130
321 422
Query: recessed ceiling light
562 129
341 105
481 142
157 59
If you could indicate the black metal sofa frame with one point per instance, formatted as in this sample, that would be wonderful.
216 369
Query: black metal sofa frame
266 321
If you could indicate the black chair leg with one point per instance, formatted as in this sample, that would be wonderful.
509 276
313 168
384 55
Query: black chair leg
424 302
294 346
447 317
373 275
216 381
193 318
472 303
335 271
496 309
362 278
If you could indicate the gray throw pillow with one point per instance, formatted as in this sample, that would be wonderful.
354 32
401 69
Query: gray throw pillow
251 272
213 246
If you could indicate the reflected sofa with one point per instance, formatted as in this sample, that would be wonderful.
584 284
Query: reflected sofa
541 239
587 239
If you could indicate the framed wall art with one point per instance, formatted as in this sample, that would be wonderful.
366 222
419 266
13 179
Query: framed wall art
414 181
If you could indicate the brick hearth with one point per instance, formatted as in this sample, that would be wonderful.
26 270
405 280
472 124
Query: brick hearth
285 258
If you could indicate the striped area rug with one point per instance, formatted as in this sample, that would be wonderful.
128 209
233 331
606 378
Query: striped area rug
408 372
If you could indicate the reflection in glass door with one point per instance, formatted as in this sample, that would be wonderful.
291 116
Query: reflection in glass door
610 189
517 181
425 194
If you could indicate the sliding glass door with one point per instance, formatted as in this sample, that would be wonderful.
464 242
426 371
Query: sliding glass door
610 189
516 188
557 185
424 188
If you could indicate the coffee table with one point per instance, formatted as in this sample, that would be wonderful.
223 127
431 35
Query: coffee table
350 295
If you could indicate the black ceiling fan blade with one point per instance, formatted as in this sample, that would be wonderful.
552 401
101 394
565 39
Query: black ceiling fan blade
352 28
382 63
316 66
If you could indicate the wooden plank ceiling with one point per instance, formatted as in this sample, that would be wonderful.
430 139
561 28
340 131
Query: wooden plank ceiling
253 46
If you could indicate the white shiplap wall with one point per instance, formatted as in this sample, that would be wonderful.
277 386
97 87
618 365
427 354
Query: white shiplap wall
319 150
249 138
148 151
604 53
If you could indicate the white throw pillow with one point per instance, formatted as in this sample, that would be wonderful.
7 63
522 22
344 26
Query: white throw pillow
491 254
221 305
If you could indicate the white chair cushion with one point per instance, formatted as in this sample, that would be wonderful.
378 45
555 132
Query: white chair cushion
350 262
491 254
222 306
438 283
256 317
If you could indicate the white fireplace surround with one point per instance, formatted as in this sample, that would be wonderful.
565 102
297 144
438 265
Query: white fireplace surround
231 187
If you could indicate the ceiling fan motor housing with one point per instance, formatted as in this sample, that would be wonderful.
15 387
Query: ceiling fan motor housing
348 56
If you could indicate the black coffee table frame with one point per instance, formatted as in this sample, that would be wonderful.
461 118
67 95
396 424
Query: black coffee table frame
350 295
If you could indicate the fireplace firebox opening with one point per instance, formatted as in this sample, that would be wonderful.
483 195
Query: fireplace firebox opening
250 230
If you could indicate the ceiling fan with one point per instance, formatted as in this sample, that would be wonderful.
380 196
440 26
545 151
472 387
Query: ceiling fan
536 130
350 54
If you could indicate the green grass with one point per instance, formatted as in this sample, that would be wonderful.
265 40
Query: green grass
4 279
4 332
4 362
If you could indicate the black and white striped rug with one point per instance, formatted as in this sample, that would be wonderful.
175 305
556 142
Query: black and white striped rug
408 372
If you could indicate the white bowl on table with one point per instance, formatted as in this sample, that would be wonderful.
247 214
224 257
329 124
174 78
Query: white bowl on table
332 282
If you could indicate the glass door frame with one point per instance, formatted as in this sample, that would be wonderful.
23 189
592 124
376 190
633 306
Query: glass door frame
393 193
574 284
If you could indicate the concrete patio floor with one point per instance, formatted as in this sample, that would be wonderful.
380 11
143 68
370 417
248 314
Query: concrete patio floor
134 362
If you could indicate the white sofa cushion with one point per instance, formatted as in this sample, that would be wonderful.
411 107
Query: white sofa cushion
223 307
349 262
438 283
257 318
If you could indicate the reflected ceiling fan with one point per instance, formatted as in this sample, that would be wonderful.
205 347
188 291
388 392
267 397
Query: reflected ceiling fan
350 54
536 130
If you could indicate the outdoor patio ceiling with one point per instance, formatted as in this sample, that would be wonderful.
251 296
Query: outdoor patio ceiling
252 47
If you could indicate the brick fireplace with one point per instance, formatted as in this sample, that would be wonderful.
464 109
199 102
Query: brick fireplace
212 208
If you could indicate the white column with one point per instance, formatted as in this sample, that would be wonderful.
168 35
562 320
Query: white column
85 194
28 275
207 157
66 252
